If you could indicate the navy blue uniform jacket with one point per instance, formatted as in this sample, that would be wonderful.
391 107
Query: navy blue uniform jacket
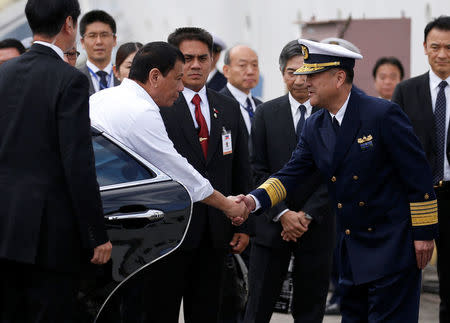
378 179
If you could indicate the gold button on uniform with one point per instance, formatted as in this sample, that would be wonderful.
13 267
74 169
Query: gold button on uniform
426 197
333 179
347 232
361 203
369 229
339 206
355 177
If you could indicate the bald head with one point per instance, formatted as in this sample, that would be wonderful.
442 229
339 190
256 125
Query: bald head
241 67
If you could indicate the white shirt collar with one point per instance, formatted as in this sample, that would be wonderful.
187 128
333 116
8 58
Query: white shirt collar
211 74
189 94
240 96
95 69
52 46
340 114
435 80
295 104
139 90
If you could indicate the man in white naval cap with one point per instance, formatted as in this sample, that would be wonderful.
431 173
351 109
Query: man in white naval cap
378 180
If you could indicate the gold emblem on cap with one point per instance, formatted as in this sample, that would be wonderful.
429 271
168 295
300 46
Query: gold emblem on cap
305 52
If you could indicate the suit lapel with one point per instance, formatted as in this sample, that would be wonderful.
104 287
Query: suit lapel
348 130
216 125
187 124
426 106
283 112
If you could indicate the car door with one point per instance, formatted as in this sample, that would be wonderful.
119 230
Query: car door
146 215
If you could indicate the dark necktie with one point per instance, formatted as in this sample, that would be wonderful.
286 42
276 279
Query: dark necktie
439 121
203 134
103 83
301 121
336 125
249 108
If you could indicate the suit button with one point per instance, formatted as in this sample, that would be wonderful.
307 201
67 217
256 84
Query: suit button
361 203
426 196
339 206
355 177
347 232
369 229
333 179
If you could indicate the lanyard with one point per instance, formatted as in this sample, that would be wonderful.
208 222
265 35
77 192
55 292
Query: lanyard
98 80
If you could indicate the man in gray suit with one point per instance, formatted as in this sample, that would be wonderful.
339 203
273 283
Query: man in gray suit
98 37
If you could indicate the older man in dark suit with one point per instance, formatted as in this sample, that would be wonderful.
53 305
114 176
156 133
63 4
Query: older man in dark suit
51 207
207 129
281 120
379 181
426 100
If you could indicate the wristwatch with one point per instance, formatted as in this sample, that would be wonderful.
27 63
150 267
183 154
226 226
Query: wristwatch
309 217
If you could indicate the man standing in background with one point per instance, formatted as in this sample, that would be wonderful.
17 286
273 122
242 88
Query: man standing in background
216 80
98 37
426 101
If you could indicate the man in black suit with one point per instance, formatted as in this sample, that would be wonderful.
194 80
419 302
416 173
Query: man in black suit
276 121
207 129
242 72
51 207
426 101
98 37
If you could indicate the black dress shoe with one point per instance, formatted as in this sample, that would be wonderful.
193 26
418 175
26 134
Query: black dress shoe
332 309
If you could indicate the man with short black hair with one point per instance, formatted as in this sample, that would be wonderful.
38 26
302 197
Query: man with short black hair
426 100
10 48
52 216
98 38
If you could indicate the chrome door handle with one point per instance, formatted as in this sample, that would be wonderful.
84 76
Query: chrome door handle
151 215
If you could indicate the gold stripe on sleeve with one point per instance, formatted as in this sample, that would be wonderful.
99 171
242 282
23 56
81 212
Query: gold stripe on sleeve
424 213
275 189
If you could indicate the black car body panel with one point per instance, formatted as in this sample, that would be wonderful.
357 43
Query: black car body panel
146 214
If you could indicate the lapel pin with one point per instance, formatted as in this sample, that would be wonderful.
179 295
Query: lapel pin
215 113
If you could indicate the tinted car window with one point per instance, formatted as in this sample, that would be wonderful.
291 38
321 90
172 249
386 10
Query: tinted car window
115 166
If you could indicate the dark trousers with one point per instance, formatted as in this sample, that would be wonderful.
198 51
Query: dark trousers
394 299
268 268
443 253
32 294
192 275
334 278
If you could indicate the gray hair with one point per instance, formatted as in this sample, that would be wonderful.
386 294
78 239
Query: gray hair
290 50
226 58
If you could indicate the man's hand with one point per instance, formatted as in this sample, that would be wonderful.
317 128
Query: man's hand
102 254
248 200
236 211
424 252
295 224
239 242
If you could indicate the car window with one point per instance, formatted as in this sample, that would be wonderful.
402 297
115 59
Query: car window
115 166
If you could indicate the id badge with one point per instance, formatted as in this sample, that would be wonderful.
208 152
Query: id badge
226 142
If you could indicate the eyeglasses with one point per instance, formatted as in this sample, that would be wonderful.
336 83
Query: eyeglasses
103 35
72 55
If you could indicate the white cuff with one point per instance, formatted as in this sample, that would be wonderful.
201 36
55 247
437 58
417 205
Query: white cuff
278 217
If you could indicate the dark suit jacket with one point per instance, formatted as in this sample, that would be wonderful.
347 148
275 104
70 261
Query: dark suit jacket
217 82
274 140
86 72
378 179
229 174
414 97
51 205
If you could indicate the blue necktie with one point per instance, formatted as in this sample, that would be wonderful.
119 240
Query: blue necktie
439 121
103 83
336 126
249 108
301 121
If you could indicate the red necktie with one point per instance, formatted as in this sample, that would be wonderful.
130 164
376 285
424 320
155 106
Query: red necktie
203 134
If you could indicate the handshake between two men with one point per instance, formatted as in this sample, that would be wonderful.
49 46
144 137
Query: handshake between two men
294 224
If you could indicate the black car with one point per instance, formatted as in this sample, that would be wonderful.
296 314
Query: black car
146 214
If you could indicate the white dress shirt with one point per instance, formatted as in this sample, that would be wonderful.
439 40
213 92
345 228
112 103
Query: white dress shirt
434 89
204 105
96 79
241 97
129 114
295 117
58 50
